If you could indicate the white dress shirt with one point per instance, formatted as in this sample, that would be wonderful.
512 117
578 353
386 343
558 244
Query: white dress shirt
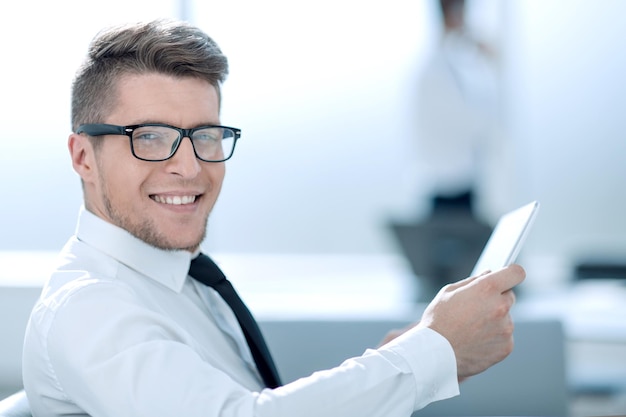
457 115
122 330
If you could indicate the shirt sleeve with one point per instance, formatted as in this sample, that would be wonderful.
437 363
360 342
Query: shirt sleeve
117 358
395 380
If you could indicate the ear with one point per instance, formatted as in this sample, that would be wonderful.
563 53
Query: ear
83 156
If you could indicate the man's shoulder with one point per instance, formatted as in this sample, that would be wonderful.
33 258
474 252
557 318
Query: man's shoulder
79 266
81 277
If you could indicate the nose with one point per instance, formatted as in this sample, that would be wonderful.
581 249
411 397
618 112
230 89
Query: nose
184 161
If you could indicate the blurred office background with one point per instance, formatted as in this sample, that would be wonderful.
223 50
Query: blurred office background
326 96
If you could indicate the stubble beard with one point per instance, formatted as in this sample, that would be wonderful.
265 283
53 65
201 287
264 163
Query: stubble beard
146 230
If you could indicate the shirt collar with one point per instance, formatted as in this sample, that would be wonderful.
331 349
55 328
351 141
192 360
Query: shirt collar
168 267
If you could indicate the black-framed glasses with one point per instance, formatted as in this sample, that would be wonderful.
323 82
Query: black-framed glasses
159 142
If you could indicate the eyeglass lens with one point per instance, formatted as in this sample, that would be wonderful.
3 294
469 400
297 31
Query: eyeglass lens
160 142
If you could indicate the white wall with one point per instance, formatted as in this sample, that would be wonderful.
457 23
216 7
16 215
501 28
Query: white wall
568 97
42 43
324 95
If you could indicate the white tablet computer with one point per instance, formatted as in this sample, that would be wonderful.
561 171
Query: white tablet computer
506 239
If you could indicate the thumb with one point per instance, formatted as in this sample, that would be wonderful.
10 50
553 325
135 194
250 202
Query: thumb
461 283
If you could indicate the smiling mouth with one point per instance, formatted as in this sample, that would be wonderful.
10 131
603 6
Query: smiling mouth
176 200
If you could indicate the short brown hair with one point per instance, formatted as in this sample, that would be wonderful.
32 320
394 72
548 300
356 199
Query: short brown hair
161 46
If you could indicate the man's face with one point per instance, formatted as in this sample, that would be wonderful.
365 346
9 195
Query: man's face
167 203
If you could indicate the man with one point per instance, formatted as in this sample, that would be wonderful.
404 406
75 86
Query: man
457 114
121 329
457 132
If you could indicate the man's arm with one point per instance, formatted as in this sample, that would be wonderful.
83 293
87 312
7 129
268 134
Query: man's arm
474 316
108 355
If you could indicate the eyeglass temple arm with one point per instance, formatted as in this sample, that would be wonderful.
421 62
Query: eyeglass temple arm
102 129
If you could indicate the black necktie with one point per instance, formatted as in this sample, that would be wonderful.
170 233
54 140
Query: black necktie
204 270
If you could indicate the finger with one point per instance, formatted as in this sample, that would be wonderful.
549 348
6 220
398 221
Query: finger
508 299
485 272
510 294
464 282
506 278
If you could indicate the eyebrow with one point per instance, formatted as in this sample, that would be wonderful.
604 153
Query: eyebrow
152 121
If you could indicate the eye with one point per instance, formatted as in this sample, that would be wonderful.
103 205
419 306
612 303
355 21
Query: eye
207 135
147 135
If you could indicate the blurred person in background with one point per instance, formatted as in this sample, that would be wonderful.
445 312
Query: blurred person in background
458 112
458 120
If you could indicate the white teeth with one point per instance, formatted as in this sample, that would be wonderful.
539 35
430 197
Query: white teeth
175 200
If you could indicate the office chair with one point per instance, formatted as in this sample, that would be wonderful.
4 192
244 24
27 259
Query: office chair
441 248
15 406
